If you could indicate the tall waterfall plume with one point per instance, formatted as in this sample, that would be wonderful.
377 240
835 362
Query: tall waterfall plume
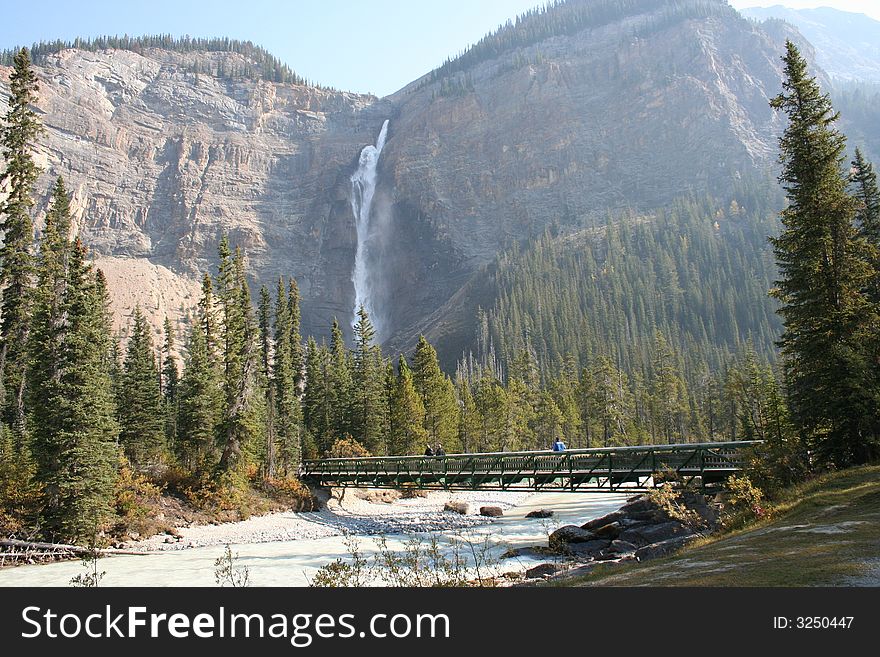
363 186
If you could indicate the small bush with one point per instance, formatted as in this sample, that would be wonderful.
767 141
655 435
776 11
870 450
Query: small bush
669 500
291 492
744 502
347 447
135 497
409 491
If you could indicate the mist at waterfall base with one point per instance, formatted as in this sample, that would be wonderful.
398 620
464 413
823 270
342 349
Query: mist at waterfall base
372 216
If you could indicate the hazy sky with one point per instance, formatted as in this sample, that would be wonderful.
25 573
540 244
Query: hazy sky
359 45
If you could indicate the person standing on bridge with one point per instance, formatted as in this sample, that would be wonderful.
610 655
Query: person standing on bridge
558 446
429 451
440 451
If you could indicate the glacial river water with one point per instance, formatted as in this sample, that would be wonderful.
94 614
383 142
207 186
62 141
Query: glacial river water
294 563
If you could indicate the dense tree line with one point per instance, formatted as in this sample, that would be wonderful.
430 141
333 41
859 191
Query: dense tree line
567 17
644 331
264 66
697 272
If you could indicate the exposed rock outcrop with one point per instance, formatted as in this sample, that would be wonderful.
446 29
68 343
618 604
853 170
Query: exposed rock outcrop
630 113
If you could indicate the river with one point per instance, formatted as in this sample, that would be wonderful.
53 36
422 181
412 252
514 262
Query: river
294 563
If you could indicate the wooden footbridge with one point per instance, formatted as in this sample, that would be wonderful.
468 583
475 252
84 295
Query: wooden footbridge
609 469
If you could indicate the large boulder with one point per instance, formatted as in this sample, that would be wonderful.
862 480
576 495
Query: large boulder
607 519
622 547
662 548
542 570
456 507
609 531
569 534
638 504
587 550
491 511
654 533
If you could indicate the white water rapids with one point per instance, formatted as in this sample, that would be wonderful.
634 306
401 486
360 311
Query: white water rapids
294 563
363 187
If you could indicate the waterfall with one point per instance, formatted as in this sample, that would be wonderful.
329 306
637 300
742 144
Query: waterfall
363 186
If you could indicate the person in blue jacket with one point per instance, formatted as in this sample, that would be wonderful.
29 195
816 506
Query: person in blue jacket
559 446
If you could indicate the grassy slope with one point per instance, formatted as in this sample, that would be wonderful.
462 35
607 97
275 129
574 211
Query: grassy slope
825 532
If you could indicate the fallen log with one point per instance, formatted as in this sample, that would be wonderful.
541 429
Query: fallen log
61 548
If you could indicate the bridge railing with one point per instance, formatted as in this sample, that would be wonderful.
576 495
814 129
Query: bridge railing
687 459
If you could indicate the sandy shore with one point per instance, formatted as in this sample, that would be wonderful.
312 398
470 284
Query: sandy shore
360 513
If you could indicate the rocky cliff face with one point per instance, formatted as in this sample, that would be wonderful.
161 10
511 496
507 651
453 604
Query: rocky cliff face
161 161
631 113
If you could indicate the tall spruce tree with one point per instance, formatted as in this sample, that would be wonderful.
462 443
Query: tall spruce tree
141 416
824 269
368 401
47 324
170 384
77 458
198 406
287 402
318 401
864 187
242 427
341 383
18 136
438 397
407 431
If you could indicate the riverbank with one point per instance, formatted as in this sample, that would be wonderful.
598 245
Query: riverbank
296 562
825 532
364 512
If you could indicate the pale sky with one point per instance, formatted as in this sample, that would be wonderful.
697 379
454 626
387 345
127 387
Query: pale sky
358 45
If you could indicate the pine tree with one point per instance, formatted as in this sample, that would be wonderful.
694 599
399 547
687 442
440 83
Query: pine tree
610 401
438 397
296 348
77 459
341 384
864 183
141 417
289 409
18 138
47 334
668 394
170 384
824 270
240 428
368 385
208 317
198 406
407 415
318 397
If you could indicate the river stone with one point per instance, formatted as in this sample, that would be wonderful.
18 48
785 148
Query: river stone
654 533
654 515
491 511
604 520
540 513
456 507
569 534
663 548
543 569
638 504
530 552
622 546
610 531
587 550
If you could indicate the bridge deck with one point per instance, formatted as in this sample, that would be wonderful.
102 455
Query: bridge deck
587 470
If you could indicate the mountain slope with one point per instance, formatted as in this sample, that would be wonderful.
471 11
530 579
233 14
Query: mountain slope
584 109
847 44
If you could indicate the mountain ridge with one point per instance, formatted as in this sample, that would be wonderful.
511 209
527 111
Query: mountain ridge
629 114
